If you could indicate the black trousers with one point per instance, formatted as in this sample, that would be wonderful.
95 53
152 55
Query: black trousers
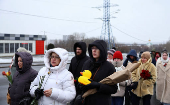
136 100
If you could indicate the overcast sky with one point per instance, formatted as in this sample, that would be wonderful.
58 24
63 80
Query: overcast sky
137 21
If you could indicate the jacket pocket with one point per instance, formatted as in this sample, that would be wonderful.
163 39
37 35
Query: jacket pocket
145 84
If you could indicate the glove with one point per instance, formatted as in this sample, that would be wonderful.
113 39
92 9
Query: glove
134 85
25 101
92 85
38 93
81 88
79 100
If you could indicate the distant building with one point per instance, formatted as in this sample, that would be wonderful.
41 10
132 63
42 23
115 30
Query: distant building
9 43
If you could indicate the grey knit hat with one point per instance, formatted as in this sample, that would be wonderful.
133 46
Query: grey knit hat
111 51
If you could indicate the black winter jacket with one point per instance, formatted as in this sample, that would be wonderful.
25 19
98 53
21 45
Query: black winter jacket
105 68
77 62
131 53
22 78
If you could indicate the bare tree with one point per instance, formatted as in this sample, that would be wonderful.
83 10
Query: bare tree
124 48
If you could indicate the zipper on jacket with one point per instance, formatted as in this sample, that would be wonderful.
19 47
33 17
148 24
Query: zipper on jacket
46 79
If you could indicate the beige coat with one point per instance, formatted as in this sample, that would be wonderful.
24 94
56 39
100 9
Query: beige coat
145 87
163 82
121 92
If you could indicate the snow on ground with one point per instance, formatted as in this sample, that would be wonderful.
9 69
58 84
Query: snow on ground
36 58
5 60
39 58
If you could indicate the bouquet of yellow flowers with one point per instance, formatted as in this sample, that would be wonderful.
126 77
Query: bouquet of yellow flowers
8 75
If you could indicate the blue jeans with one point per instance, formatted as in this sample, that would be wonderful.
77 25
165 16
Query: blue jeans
117 100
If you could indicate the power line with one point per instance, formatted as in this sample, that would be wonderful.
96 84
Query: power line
128 34
93 30
44 16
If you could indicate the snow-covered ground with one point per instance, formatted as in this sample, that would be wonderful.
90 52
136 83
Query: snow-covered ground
36 58
39 58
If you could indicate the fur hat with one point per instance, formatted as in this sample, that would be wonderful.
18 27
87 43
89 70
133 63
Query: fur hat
111 51
146 54
22 49
118 54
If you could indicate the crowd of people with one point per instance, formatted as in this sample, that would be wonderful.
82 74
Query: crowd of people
55 85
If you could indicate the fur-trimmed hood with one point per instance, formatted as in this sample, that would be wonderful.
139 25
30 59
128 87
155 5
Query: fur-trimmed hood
63 54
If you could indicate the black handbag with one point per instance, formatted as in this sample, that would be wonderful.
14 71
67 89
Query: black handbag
26 101
79 100
127 95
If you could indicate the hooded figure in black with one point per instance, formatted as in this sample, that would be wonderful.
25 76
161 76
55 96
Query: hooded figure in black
22 78
157 55
100 69
78 61
131 54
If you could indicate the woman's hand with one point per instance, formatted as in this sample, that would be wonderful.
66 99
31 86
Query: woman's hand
47 93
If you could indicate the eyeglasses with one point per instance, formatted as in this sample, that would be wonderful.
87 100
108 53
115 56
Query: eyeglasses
56 57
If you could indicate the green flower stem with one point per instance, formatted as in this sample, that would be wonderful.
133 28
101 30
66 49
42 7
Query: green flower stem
9 79
35 102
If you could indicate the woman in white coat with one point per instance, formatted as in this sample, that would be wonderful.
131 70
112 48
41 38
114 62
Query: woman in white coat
163 79
58 85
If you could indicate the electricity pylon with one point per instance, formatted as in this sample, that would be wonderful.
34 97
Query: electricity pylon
106 32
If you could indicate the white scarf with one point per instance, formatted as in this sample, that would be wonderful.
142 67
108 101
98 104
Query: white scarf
110 60
118 69
164 61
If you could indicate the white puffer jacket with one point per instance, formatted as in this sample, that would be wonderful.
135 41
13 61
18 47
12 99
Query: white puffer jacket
60 80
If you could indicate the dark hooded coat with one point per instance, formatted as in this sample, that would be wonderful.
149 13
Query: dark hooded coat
131 53
154 60
101 69
22 78
77 62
